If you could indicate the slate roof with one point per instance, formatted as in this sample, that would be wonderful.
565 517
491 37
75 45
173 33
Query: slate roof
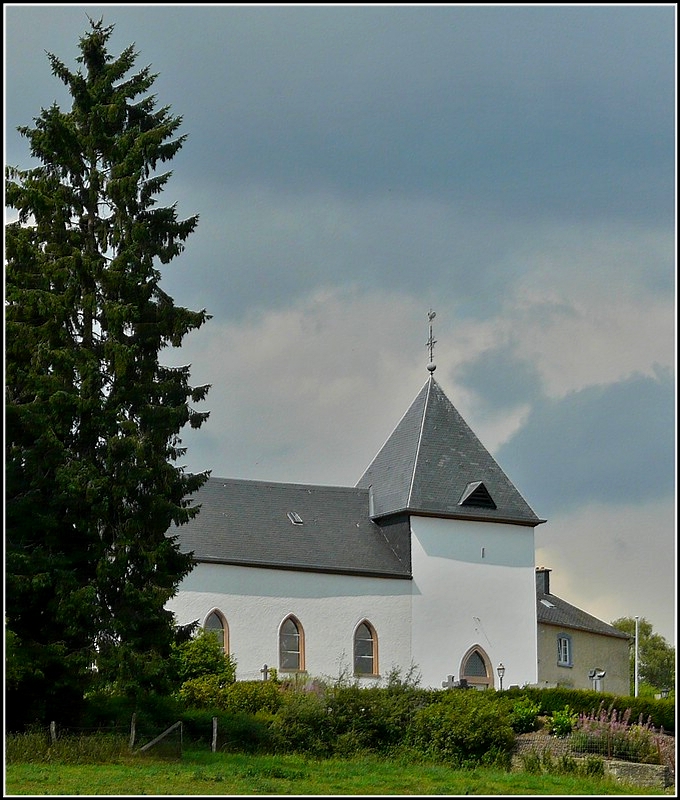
433 460
247 522
564 615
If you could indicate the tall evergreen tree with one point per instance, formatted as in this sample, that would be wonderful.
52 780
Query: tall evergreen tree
92 416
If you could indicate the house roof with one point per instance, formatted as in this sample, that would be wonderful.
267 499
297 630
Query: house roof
433 464
288 526
552 610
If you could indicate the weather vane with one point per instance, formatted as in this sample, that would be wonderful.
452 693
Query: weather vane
431 342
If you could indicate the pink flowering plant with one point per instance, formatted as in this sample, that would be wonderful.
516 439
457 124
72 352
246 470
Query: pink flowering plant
613 736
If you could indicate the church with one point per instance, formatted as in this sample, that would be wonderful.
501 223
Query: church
425 566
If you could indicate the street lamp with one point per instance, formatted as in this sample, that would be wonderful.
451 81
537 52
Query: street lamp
500 669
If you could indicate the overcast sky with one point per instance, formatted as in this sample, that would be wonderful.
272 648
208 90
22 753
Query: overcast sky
512 168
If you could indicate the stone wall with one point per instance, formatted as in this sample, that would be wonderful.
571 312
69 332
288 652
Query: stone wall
653 776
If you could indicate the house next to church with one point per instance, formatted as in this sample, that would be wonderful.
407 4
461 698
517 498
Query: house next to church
578 650
426 564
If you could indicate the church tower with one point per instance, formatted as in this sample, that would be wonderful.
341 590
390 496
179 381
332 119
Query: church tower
450 511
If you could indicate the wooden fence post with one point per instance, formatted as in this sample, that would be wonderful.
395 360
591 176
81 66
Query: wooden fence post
214 736
53 731
133 726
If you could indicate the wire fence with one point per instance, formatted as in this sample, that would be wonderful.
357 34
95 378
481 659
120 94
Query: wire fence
99 744
633 746
106 742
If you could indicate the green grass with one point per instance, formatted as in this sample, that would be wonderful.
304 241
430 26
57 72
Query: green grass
205 773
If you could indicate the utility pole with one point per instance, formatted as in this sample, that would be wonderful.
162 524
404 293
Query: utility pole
637 621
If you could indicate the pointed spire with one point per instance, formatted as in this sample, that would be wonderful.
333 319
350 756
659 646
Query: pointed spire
434 464
431 342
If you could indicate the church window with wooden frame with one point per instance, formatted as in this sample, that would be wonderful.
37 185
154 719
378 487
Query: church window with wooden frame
291 646
216 624
365 650
476 668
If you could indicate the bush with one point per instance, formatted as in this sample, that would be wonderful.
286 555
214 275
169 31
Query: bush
202 655
301 724
236 732
252 696
585 701
104 709
213 692
204 692
524 716
465 729
561 723
374 718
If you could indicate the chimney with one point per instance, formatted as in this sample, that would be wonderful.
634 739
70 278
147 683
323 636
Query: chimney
543 580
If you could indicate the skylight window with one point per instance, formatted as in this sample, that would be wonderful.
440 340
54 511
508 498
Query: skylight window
548 604
295 518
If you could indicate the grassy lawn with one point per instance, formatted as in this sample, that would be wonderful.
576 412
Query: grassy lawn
202 773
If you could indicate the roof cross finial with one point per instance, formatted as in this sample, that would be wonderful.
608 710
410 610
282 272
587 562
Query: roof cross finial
431 342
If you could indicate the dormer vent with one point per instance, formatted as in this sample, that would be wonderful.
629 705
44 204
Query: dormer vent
295 518
476 494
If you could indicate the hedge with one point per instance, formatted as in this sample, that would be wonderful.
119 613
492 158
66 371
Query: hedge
660 712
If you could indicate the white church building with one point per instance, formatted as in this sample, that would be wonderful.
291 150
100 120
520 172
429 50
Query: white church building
426 565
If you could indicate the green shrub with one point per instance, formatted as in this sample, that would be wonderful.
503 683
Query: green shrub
198 725
252 696
561 723
108 710
585 701
464 729
236 732
301 724
373 717
244 733
214 692
524 716
202 655
204 692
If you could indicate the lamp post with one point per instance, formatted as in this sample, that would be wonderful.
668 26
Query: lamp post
637 621
500 669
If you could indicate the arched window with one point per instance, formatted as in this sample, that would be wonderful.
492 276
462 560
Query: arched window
476 668
217 624
291 646
365 649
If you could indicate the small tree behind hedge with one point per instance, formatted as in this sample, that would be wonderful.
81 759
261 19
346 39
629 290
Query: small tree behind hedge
203 655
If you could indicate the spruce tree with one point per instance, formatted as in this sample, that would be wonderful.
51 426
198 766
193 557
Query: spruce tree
93 417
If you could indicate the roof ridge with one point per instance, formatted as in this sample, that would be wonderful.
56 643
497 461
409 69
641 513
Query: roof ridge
430 381
391 433
291 484
584 621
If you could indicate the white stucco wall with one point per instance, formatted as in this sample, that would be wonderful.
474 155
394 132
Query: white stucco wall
255 601
473 584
